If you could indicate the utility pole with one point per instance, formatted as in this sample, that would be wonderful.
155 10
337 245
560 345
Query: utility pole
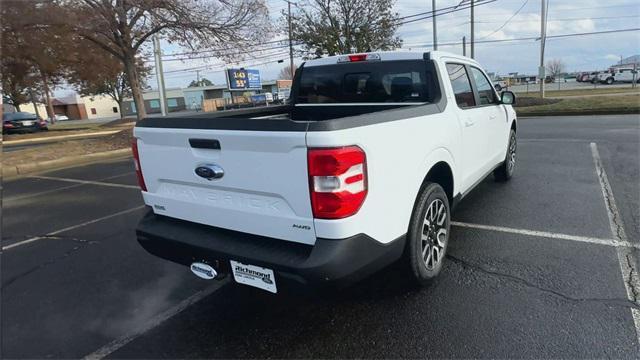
435 28
464 46
290 41
472 30
543 30
197 77
160 74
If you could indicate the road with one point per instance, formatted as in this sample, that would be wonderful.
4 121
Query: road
570 84
533 270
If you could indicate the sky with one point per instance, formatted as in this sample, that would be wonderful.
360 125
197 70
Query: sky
499 20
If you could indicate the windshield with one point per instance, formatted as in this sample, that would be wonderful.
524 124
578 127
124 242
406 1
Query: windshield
19 116
403 81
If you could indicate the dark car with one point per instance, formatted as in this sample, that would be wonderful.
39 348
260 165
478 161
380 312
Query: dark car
22 122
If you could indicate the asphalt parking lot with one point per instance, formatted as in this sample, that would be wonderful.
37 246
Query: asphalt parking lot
542 266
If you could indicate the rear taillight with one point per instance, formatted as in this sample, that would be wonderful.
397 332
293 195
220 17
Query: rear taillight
337 181
136 161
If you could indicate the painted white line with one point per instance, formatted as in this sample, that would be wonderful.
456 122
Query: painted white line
86 182
21 197
24 242
152 323
544 234
626 258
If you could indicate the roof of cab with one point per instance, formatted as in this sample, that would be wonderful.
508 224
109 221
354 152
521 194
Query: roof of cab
394 55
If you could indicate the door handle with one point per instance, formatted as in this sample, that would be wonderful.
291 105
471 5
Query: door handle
492 117
468 123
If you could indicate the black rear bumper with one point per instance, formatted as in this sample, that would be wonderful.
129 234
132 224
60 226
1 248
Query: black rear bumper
328 262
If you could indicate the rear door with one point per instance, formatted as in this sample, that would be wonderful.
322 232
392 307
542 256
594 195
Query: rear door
263 190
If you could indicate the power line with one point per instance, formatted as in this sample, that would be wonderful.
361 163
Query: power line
227 48
530 38
220 55
208 66
566 19
446 12
506 22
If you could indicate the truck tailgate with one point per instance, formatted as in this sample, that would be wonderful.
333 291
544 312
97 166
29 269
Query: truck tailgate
264 189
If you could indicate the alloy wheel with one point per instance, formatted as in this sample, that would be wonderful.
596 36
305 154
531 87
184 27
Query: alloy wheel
434 234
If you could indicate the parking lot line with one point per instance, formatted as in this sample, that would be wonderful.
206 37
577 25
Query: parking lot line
84 182
56 232
546 234
626 258
152 323
21 197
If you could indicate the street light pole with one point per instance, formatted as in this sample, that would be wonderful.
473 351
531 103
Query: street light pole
160 75
290 41
543 30
472 30
435 27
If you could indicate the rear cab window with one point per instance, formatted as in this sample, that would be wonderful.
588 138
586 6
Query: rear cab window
403 82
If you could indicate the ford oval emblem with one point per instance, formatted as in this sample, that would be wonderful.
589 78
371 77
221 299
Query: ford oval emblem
203 271
210 171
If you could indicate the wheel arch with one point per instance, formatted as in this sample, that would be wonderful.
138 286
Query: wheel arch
439 169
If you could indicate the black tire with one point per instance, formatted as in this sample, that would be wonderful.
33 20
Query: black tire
434 197
504 172
609 81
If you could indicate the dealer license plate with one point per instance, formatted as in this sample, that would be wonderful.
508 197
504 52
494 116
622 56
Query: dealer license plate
255 276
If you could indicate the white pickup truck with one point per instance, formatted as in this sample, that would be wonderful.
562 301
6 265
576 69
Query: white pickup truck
359 171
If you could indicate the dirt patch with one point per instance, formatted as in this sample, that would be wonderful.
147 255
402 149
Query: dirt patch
119 140
532 101
119 122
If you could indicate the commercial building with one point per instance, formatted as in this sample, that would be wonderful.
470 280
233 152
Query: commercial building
192 98
75 107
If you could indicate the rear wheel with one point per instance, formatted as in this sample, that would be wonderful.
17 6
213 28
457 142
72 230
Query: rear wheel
428 235
504 172
609 81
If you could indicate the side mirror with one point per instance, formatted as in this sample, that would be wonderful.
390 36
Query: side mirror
508 98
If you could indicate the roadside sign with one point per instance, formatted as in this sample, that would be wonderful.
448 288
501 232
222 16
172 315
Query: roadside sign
244 79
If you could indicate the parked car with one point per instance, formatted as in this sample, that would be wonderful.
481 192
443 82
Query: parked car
625 75
22 122
604 77
58 117
587 77
500 84
361 170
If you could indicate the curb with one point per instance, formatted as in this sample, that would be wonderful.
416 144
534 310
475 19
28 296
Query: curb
577 113
69 161
61 137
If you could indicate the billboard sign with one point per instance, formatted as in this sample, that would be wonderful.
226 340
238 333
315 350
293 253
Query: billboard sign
244 79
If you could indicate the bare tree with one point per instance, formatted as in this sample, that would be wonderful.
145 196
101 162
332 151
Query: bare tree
555 68
330 27
122 27
285 73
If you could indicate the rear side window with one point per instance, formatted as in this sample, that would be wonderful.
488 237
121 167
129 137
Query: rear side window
404 81
461 85
485 90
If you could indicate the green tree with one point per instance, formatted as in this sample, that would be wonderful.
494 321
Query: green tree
201 82
330 27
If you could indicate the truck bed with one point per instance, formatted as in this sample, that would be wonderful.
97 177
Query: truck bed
295 118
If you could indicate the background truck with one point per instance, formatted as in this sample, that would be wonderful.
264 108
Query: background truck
360 170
